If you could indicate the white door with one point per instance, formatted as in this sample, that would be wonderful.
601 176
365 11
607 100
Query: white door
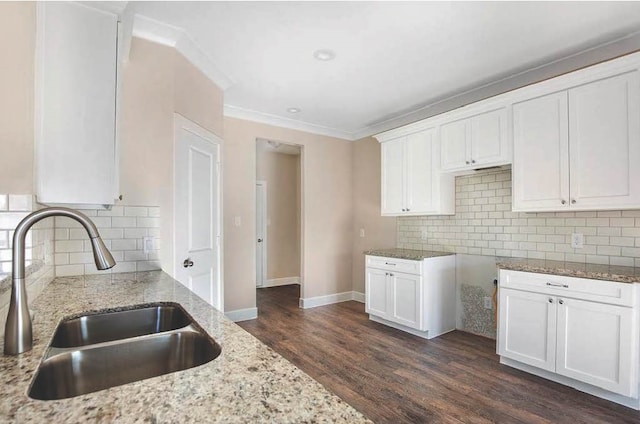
595 344
197 197
604 128
489 143
527 328
454 142
393 165
406 299
541 154
419 158
261 233
376 302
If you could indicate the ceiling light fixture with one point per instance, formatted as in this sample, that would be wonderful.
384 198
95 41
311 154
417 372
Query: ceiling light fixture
294 110
324 55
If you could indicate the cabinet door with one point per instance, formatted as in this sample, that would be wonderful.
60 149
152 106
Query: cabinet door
595 344
604 128
527 328
541 154
420 195
376 299
406 298
75 104
393 181
489 139
455 145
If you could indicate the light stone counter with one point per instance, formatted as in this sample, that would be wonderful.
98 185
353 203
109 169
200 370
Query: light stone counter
248 382
409 254
621 274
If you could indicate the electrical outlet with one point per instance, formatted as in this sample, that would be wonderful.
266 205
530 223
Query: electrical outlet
361 232
577 240
147 244
424 235
487 303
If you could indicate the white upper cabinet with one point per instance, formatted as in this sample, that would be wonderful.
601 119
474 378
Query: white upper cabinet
475 142
579 148
411 181
75 104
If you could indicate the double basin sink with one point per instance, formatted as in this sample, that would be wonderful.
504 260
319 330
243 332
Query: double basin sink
111 348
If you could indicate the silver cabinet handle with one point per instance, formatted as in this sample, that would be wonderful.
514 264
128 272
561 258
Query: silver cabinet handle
561 302
259 240
404 210
550 300
389 263
558 285
390 275
467 162
564 202
573 201
408 209
473 161
187 263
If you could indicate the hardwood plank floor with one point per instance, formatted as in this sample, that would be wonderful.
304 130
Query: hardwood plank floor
394 377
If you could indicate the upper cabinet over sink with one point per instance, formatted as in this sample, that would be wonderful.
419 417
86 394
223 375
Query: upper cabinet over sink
76 67
579 148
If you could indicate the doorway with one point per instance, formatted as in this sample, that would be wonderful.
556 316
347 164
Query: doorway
197 223
278 214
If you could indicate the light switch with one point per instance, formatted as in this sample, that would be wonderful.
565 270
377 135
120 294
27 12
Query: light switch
577 241
237 221
361 232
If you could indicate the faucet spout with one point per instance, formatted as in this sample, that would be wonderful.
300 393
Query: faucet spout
18 337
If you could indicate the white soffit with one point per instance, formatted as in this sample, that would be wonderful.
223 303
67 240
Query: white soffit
396 62
172 36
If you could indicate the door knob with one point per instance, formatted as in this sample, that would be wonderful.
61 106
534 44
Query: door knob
187 263
259 240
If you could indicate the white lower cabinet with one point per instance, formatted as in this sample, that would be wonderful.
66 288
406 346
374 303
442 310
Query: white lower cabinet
414 296
584 330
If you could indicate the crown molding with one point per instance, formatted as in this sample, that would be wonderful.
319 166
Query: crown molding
278 121
172 36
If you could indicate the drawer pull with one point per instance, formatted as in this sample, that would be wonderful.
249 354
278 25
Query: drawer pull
389 263
558 285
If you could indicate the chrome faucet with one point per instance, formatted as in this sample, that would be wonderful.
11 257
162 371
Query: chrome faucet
18 337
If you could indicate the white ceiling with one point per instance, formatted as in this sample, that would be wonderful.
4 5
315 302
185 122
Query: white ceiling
392 57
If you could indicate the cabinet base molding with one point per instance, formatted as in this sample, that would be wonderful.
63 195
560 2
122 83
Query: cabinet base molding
423 334
583 387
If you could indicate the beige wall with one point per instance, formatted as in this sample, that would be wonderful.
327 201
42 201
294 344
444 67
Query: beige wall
326 215
380 232
158 81
280 171
17 46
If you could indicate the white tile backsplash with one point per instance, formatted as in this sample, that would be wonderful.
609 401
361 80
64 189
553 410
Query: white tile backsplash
485 225
122 228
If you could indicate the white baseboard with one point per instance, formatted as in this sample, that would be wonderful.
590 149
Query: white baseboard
285 281
357 296
312 302
242 314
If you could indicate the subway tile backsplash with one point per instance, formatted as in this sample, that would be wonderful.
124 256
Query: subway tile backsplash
485 225
122 228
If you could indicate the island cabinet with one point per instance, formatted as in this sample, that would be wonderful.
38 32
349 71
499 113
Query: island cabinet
476 141
576 330
76 66
411 179
411 295
579 148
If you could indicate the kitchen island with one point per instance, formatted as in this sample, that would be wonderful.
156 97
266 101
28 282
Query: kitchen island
248 382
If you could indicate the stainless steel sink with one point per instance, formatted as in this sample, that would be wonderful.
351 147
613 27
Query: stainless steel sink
89 367
104 327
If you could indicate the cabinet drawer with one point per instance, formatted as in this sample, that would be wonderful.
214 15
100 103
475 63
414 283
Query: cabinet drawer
578 288
394 264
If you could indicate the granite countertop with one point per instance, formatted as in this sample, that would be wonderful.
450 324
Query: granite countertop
410 254
621 274
248 382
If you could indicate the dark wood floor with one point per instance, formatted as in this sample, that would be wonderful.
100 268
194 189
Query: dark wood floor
394 377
